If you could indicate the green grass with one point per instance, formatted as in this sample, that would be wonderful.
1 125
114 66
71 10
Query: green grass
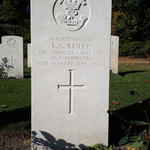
133 67
130 78
16 94
16 128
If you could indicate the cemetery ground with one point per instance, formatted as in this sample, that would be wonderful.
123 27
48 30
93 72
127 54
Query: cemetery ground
129 108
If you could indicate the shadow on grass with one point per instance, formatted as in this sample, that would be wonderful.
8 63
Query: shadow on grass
27 75
130 72
120 124
48 141
120 121
15 116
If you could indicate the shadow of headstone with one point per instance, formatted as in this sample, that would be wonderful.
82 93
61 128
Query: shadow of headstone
5 67
48 142
121 121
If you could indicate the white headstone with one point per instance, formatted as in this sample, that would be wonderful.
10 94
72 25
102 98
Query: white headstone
114 54
29 55
0 47
70 72
11 56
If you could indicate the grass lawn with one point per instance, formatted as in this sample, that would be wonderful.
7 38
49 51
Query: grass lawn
130 86
16 95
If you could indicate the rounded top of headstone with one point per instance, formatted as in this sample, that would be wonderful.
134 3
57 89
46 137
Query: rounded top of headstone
12 41
11 36
114 37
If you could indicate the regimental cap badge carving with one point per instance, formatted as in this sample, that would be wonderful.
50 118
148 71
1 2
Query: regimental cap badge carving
71 15
11 42
72 3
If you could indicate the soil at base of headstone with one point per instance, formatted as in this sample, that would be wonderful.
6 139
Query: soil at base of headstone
133 60
23 142
15 142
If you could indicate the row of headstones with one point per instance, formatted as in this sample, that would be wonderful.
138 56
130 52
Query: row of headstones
70 85
11 56
114 54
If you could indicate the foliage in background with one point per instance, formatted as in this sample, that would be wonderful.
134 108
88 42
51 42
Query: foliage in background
131 23
14 19
135 48
131 19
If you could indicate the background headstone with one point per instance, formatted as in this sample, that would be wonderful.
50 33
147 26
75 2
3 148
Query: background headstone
0 47
114 54
70 72
29 55
11 56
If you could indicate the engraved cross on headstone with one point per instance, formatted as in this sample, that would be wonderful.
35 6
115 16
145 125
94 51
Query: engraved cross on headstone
70 86
12 61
